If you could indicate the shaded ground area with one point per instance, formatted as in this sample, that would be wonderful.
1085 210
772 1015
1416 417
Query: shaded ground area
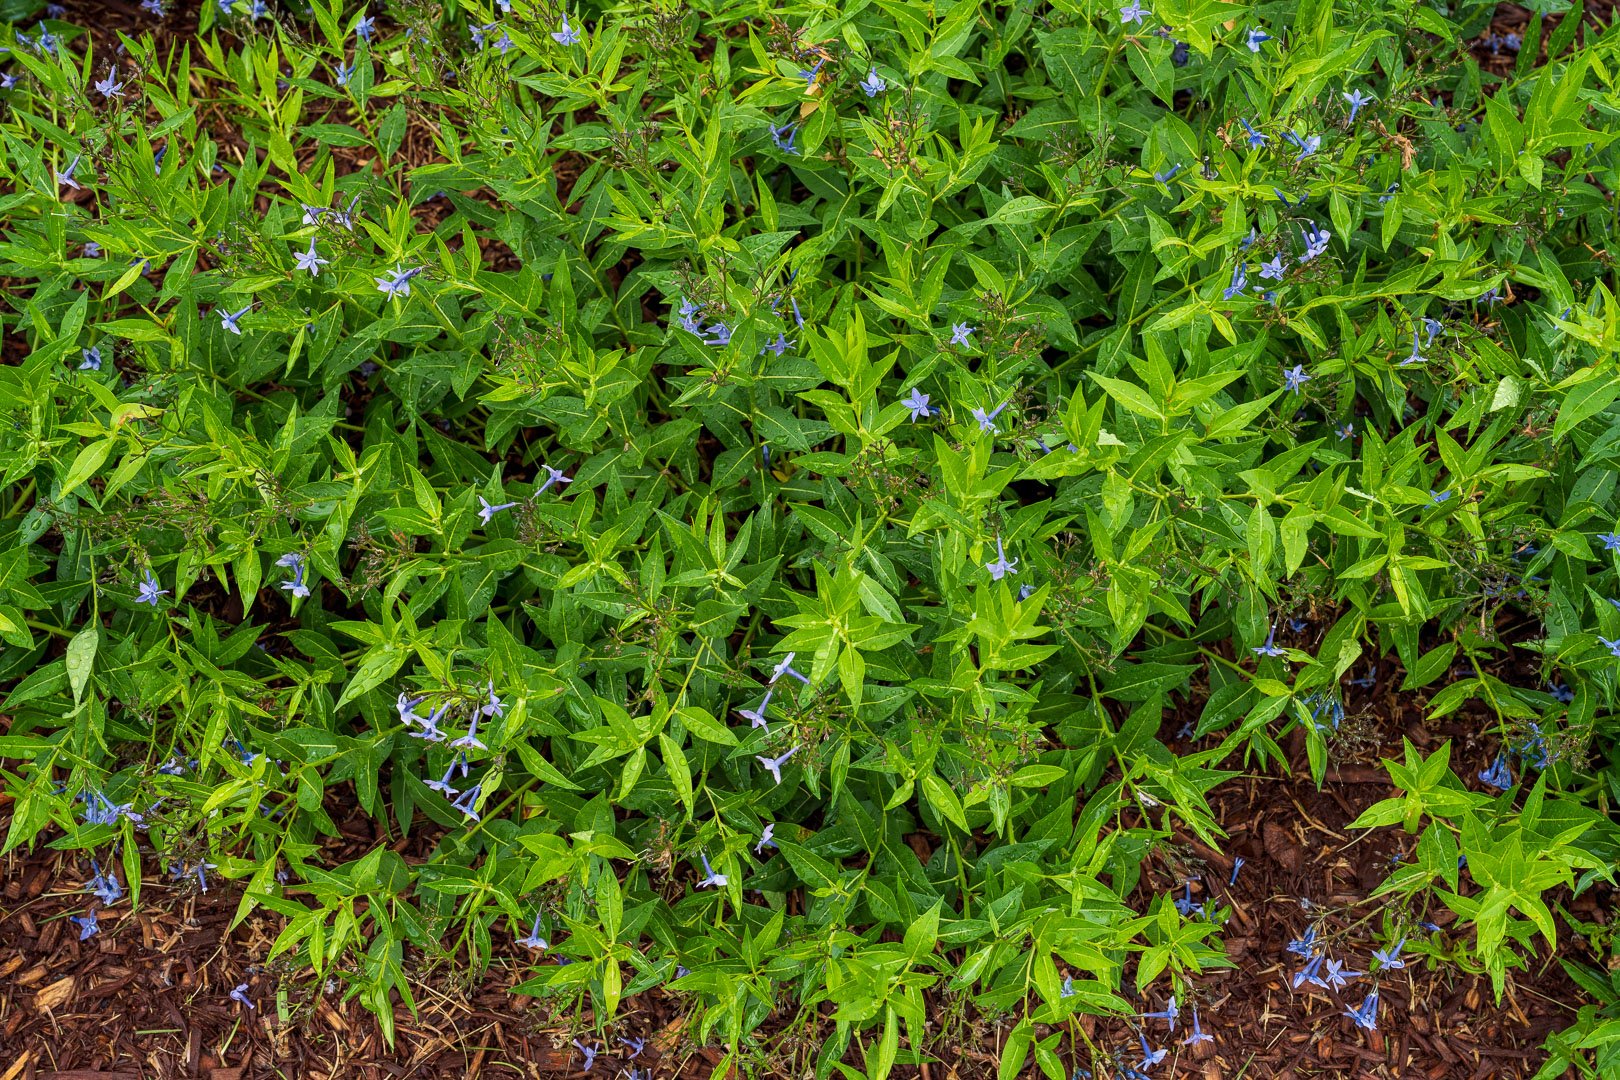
149 995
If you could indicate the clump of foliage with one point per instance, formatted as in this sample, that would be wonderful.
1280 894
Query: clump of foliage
754 482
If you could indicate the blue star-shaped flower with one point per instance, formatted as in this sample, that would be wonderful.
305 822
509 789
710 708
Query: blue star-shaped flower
1498 776
783 137
398 283
309 260
229 319
1357 99
1240 281
149 593
1003 565
1417 355
1366 1016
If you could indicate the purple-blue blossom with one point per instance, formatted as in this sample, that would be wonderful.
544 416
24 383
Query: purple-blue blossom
1356 100
1366 1015
1240 281
1295 378
1498 776
765 838
67 176
1169 1013
309 260
405 705
398 282
774 765
756 716
345 218
986 420
296 586
710 877
442 785
470 741
1256 138
1307 146
148 592
105 886
1270 648
1417 355
1337 977
590 1055
917 402
1256 38
553 476
469 801
873 84
534 940
567 35
1150 1056
1187 909
786 668
1002 565
1316 241
1390 958
430 726
493 705
782 137
92 359
228 319
486 511
960 332
1133 12
1197 1035
1310 973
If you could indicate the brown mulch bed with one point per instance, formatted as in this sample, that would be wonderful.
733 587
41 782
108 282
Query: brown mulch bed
149 995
